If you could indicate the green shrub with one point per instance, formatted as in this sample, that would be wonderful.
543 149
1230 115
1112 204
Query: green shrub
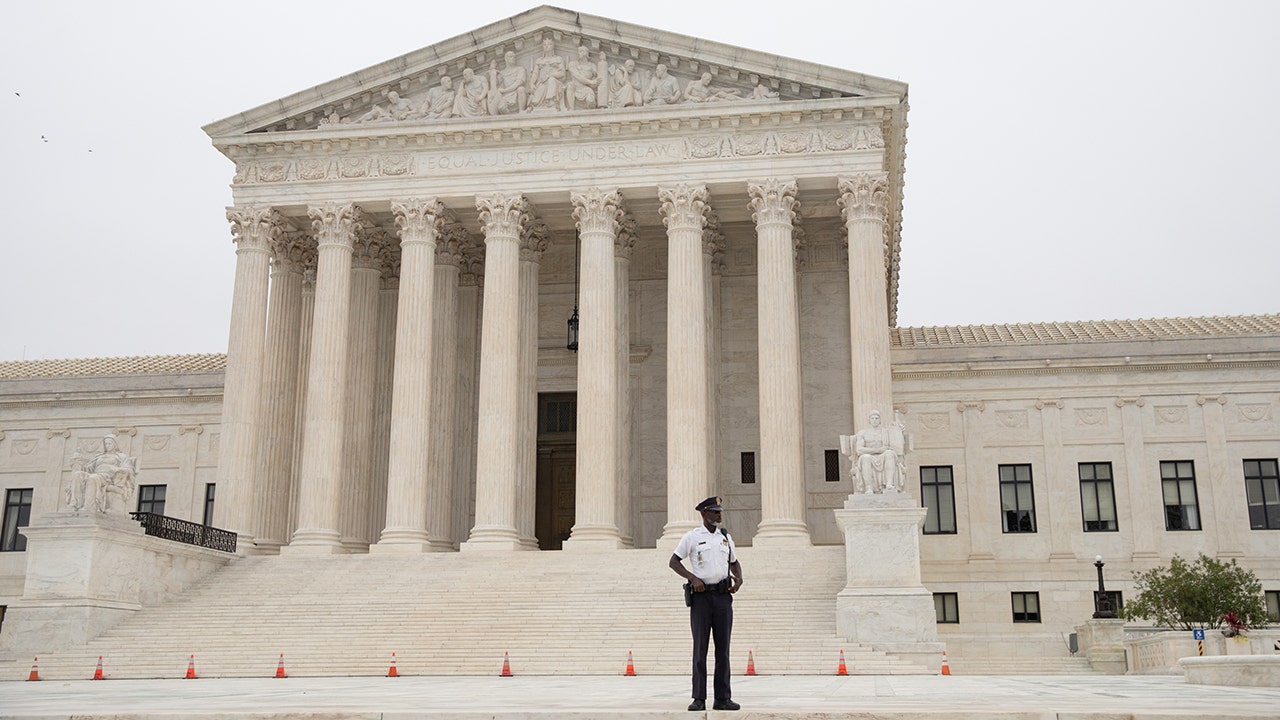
1189 595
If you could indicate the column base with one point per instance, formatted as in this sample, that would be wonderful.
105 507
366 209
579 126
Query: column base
314 542
593 539
355 547
401 541
673 531
493 539
789 533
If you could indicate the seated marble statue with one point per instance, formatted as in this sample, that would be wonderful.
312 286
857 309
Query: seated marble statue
664 88
439 100
546 84
95 480
507 94
584 82
472 99
878 458
623 85
700 91
397 109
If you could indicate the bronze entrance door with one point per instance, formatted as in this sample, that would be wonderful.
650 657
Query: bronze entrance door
557 465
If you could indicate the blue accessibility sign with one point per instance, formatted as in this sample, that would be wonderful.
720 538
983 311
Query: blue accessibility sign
1198 634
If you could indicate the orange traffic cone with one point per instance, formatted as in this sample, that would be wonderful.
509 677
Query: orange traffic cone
842 670
35 669
280 667
97 674
506 665
751 663
191 668
631 666
946 669
392 672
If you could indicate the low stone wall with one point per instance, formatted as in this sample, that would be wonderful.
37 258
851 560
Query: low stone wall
1159 653
1241 670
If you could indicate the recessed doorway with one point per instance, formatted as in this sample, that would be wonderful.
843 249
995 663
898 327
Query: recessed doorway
557 467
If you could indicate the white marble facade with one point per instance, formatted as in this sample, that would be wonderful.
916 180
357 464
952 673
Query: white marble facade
405 242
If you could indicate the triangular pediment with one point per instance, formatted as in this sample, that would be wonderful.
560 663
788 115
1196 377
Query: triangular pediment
549 61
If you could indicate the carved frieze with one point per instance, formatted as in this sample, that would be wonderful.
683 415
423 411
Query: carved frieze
1254 412
1171 414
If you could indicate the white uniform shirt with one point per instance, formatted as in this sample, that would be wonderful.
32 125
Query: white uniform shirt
710 554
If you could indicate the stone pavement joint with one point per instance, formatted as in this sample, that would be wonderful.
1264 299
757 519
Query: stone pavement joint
788 697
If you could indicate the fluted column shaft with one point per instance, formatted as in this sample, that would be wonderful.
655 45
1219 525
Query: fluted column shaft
464 485
302 373
279 394
318 497
388 298
362 364
497 466
407 502
253 228
683 211
622 283
712 244
444 363
864 200
782 489
595 504
532 243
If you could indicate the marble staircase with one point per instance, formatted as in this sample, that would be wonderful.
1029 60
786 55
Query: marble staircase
554 613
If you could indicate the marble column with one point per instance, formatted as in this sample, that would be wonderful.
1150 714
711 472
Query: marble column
335 226
464 482
712 256
534 238
270 502
190 448
362 355
502 216
782 488
982 494
597 213
388 297
683 210
310 258
1061 484
864 202
254 228
1226 493
1142 483
626 242
419 220
441 453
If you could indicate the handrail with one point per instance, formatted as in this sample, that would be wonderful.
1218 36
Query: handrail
183 531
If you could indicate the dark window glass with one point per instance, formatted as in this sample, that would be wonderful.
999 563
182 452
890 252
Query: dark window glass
748 468
151 499
1262 492
1098 498
831 463
938 495
208 503
1026 607
1115 600
1273 605
1178 480
17 514
1017 499
947 607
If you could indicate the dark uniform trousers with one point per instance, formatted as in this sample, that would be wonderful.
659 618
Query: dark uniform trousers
711 617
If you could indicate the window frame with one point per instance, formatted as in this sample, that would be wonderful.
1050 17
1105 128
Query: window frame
1095 484
748 472
1024 596
932 490
1272 599
152 502
17 515
1179 482
948 612
1022 514
1116 597
210 497
1270 515
831 465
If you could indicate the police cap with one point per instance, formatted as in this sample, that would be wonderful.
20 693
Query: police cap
711 503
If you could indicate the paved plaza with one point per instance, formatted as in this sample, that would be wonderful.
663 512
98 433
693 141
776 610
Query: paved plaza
637 698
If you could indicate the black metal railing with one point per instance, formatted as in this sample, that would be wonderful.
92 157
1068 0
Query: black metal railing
183 531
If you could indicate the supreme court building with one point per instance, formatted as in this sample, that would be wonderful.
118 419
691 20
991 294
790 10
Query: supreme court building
715 231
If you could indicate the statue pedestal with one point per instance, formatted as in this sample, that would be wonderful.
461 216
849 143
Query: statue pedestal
87 571
884 605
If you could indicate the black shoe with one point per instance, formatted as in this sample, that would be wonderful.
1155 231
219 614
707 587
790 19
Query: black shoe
726 705
697 705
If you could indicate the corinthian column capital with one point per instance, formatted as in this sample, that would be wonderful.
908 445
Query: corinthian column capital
288 248
625 241
336 223
450 245
503 214
684 205
597 210
534 238
712 237
419 219
369 246
254 227
773 201
864 197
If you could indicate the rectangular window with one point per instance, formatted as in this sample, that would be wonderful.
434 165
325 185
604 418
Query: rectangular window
151 499
1026 607
1273 605
748 468
1098 497
1017 500
208 503
1181 511
1262 491
1115 600
17 514
831 462
938 495
947 607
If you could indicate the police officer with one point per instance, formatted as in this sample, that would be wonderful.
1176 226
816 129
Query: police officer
715 577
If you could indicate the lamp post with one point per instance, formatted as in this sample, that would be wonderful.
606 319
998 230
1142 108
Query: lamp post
1102 606
572 343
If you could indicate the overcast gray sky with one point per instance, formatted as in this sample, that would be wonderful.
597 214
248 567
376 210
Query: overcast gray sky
1066 160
